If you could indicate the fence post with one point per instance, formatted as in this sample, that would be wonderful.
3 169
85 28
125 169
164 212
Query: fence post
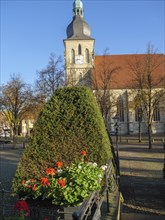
107 201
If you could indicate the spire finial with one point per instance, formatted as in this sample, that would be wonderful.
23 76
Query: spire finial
78 8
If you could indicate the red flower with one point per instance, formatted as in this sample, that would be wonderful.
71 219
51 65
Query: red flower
23 182
62 182
50 171
45 181
29 186
34 187
59 164
20 206
83 153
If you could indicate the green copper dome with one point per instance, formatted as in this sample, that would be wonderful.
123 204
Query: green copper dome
78 8
78 3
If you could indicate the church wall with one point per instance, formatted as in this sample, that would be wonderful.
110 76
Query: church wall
123 125
130 125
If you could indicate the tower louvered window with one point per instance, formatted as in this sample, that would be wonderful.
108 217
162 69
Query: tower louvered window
79 49
72 56
87 55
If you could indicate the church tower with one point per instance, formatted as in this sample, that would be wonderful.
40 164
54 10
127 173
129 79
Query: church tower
79 48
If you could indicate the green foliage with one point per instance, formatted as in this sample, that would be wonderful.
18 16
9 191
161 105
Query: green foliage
67 186
70 122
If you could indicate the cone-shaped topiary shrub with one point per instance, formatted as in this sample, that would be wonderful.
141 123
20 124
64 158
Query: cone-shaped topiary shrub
70 122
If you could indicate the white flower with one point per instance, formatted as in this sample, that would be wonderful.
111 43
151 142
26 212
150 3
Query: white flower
59 170
104 167
93 164
79 166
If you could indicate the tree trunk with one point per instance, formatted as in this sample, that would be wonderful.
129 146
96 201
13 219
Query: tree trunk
140 137
150 136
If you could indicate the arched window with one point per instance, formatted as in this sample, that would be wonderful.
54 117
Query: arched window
79 49
156 113
138 114
72 56
120 108
138 108
87 55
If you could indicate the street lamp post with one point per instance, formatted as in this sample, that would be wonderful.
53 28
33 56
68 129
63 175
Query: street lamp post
116 126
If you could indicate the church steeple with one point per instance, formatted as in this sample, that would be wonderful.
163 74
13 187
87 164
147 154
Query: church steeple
78 8
79 48
78 28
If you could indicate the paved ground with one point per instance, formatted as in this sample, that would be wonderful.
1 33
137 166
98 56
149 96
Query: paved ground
9 158
8 162
142 182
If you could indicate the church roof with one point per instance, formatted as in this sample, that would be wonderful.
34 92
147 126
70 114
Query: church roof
78 29
122 77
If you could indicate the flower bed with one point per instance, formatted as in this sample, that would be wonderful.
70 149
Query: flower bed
64 186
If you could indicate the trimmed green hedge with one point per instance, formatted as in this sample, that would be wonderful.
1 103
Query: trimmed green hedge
70 122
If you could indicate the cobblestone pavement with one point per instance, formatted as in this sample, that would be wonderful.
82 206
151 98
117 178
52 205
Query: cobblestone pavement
142 183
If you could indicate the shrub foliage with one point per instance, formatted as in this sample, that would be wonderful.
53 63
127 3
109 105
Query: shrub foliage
70 122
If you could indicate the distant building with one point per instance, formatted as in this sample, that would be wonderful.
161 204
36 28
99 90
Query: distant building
25 128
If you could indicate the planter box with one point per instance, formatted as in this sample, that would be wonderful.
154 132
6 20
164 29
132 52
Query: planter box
40 209
68 212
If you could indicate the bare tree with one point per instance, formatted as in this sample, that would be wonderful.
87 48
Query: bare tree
15 97
102 79
50 78
148 84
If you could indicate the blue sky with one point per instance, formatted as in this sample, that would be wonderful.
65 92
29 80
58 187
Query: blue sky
32 29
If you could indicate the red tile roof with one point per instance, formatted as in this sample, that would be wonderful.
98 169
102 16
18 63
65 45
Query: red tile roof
122 77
